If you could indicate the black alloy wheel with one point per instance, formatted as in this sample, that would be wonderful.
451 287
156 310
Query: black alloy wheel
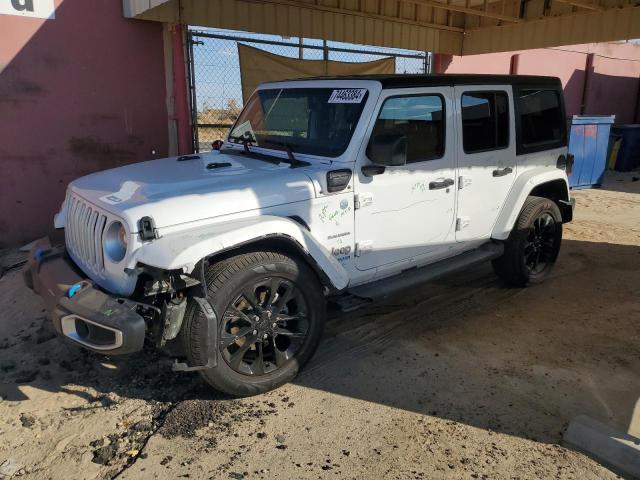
263 327
540 247
270 309
533 245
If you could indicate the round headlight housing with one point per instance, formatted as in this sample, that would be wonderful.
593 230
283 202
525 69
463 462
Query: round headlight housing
115 241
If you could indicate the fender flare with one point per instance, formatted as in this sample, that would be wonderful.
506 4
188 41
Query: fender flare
520 190
182 250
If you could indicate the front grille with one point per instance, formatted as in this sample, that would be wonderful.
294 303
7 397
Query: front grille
83 232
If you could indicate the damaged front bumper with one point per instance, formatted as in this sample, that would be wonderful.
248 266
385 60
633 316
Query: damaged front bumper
79 310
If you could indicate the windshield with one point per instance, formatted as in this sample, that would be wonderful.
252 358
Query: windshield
315 121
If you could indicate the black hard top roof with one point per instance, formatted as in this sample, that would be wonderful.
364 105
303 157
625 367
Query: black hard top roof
435 80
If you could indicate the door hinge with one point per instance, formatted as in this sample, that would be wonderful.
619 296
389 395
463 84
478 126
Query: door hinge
463 182
362 200
462 222
363 247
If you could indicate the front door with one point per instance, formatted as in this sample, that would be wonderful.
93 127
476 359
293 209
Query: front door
406 214
486 157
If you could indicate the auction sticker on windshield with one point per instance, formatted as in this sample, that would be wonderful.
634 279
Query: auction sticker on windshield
348 95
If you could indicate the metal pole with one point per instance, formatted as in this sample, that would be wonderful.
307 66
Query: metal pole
182 91
301 48
195 142
588 71
325 57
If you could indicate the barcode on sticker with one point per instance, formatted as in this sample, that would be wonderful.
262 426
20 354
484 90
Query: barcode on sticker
348 95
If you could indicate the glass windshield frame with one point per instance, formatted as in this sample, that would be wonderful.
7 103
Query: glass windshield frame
284 142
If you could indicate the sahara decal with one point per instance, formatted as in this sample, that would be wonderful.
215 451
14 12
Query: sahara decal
338 235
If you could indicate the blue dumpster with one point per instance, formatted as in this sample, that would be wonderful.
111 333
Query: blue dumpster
629 152
588 142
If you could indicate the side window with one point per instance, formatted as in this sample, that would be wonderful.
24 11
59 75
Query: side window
420 118
541 118
485 121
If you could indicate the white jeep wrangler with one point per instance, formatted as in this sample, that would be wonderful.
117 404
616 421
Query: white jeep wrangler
346 189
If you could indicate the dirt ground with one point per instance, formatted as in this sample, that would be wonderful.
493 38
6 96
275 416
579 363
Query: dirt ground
462 378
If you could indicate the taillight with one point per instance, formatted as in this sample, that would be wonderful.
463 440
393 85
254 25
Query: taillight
565 163
570 160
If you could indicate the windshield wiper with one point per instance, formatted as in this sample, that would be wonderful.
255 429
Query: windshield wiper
245 140
292 160
248 139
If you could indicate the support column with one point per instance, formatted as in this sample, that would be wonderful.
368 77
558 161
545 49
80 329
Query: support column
588 70
513 67
441 62
180 91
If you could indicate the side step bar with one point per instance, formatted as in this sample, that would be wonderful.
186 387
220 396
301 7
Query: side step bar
389 286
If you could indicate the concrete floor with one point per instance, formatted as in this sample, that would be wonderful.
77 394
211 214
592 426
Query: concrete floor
462 378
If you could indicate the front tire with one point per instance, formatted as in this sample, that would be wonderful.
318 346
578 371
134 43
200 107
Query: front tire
533 245
271 313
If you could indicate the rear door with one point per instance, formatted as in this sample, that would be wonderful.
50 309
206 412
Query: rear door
486 157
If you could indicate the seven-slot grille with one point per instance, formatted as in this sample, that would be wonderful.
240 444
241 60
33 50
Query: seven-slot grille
83 232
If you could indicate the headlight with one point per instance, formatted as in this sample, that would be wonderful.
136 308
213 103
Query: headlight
115 242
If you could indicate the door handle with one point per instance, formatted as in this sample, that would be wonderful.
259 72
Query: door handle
371 170
501 172
446 183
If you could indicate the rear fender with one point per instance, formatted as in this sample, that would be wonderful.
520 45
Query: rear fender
521 189
182 250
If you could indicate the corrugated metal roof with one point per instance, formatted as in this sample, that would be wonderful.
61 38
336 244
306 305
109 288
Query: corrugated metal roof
591 27
443 26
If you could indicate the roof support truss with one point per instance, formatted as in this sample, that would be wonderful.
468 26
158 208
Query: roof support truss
587 4
458 27
485 12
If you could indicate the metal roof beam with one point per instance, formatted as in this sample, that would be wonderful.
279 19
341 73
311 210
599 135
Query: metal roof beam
467 10
579 3
359 13
586 27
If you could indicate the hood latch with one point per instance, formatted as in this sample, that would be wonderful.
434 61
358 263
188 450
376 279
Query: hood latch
147 228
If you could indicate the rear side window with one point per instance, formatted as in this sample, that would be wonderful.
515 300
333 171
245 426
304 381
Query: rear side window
420 118
485 121
541 119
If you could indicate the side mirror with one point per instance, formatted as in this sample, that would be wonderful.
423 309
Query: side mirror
389 150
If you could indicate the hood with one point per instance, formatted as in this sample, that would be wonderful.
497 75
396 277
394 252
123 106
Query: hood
175 192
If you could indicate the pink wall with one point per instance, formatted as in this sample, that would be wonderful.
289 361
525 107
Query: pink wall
613 82
569 66
613 85
79 93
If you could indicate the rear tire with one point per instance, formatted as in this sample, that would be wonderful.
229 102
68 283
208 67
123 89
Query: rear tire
533 245
271 312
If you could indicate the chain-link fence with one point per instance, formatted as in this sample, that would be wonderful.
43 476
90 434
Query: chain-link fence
214 71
